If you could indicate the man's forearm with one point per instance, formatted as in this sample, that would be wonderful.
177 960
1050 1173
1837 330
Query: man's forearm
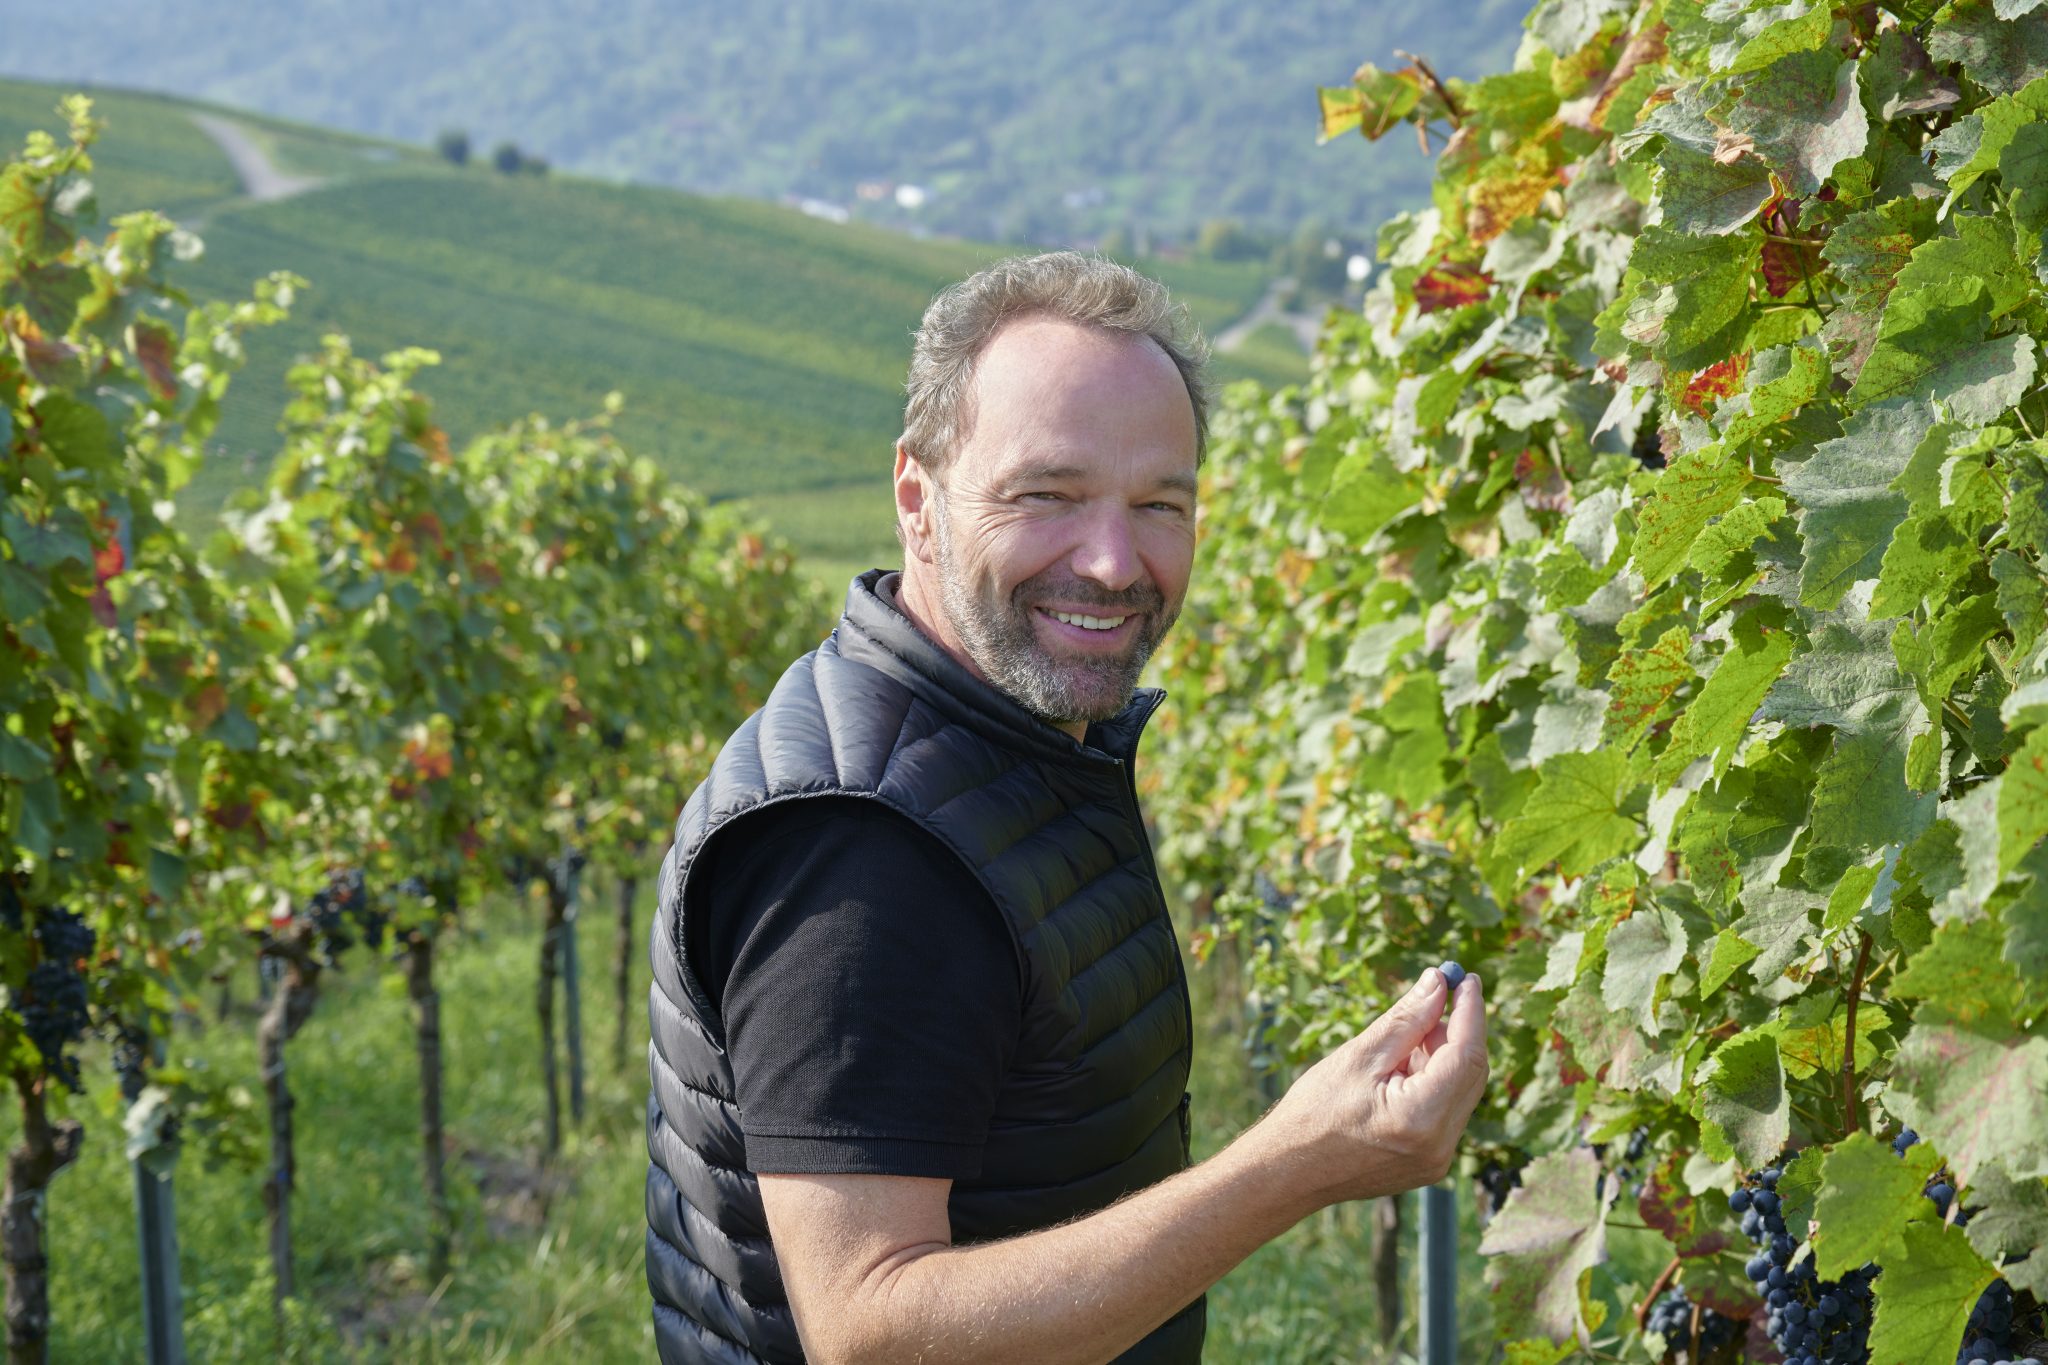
1087 1290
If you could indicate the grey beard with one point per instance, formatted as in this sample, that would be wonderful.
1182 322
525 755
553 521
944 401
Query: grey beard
1002 639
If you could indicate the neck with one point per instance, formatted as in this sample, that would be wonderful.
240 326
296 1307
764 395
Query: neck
918 599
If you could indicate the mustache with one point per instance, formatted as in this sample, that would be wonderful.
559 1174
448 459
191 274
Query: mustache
1136 601
1104 602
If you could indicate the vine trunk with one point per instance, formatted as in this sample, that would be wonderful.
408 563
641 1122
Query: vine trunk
45 1149
291 1005
622 967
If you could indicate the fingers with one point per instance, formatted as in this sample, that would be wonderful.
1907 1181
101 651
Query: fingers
1466 1025
1396 1034
1461 1062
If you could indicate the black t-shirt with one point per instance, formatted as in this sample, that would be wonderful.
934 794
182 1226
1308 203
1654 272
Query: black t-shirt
869 988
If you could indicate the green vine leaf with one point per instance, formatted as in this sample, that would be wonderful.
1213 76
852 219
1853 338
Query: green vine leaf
2023 802
1642 951
1575 817
1803 116
2010 1221
1715 723
1744 1108
1868 1196
1920 1316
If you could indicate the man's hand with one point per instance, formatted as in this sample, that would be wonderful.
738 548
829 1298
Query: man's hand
872 1275
1383 1113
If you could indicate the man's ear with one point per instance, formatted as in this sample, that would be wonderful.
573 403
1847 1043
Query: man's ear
915 490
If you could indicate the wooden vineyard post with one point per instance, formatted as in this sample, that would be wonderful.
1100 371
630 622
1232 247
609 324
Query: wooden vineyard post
426 1002
572 981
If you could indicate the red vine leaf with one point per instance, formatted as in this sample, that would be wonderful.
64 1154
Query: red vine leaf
1785 264
1450 285
156 351
1722 379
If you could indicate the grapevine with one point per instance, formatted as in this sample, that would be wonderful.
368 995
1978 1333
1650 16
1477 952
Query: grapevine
1647 600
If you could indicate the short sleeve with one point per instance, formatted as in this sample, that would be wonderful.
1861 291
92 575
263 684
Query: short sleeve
868 985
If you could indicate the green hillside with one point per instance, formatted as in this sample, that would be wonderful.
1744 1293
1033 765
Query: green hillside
760 352
1044 122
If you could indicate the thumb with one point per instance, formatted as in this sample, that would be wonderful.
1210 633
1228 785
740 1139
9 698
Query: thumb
1407 1022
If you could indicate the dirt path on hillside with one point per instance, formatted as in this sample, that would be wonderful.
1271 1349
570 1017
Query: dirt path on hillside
261 180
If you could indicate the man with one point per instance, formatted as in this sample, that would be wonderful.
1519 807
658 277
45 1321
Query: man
921 1032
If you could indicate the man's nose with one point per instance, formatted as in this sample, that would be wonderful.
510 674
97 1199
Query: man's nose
1108 552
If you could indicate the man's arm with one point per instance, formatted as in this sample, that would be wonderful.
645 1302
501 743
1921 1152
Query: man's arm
872 1274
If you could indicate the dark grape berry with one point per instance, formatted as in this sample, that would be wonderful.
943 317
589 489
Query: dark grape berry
54 1005
1453 974
1809 1320
1671 1317
1498 1176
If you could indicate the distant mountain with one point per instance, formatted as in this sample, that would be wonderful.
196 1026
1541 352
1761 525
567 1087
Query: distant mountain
1044 121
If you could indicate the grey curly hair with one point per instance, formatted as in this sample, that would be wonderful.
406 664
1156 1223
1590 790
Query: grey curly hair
1090 290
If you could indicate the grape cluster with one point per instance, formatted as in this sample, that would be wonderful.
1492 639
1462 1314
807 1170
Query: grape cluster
1812 1321
1629 1171
1988 1338
1671 1317
344 908
54 1005
1499 1175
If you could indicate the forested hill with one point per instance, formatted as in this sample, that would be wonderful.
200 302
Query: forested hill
1041 122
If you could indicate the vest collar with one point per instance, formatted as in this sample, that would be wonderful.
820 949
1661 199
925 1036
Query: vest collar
876 633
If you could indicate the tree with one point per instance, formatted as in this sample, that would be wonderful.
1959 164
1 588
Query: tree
1225 239
453 145
507 158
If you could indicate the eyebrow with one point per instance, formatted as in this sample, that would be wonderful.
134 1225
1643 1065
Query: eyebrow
1054 473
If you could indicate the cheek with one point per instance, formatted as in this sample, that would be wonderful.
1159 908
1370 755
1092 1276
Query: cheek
1169 555
1018 551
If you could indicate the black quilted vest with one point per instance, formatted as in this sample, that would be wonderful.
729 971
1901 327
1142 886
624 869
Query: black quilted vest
1094 1106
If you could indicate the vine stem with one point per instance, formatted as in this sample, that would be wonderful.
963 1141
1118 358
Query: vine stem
1429 74
1849 1123
1662 1283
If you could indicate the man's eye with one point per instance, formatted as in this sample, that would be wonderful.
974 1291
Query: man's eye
1046 494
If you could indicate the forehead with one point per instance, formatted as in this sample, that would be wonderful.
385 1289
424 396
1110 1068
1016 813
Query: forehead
1045 387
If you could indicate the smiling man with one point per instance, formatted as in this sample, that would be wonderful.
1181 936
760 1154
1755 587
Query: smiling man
921 1033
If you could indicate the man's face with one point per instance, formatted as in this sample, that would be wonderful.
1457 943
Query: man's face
1064 533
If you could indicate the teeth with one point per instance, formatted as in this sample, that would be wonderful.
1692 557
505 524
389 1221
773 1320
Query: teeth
1088 622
